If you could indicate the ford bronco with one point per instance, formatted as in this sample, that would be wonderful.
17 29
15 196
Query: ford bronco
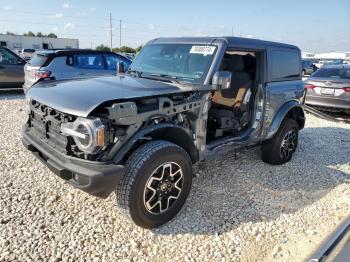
181 101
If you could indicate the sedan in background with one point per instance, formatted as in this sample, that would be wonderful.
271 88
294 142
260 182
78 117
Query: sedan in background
11 69
70 64
329 88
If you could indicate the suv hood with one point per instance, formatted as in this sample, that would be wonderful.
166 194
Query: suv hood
81 96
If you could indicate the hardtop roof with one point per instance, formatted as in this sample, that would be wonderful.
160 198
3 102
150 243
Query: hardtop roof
230 40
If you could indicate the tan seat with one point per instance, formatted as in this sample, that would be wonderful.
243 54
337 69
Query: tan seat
240 85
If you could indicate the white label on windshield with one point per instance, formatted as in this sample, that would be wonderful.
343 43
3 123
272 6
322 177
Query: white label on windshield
202 49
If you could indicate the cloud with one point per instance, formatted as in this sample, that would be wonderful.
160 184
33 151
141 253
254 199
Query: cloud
69 26
249 36
7 8
59 15
151 26
66 6
55 28
92 9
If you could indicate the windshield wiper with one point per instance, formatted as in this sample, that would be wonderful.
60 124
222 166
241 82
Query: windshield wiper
137 72
165 76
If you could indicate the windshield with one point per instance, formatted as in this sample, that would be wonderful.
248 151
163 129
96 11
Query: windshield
332 73
185 62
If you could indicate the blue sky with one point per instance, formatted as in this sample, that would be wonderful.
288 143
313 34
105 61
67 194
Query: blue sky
313 25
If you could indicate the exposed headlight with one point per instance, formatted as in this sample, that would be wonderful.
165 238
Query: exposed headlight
88 134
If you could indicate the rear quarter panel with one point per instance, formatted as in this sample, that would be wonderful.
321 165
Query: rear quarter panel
281 96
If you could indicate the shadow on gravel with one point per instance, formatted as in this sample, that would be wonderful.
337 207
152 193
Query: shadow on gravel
227 192
11 94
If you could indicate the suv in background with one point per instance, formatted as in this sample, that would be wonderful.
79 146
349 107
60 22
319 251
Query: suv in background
308 67
27 53
68 64
181 101
11 68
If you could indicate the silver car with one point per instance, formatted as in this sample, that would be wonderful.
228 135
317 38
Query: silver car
329 88
70 64
11 69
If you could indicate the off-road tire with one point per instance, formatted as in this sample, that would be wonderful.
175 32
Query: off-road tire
138 169
271 149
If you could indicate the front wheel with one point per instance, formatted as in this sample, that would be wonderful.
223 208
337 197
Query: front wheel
280 148
156 183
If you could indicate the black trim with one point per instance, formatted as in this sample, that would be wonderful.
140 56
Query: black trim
96 178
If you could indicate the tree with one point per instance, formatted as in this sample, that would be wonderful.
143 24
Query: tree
10 33
127 49
52 35
138 49
102 47
39 34
30 33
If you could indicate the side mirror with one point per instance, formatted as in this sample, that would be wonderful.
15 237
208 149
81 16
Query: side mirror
120 68
221 80
21 62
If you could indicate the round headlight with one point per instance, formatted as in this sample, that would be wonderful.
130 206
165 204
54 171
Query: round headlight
88 134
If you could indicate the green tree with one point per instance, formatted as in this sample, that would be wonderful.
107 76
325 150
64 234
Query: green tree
10 33
39 34
30 33
138 49
52 35
102 47
127 49
116 50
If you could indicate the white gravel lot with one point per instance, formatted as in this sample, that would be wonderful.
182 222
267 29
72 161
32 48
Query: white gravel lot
238 210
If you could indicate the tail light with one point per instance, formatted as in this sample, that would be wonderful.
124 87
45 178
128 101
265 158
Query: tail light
40 74
308 86
346 89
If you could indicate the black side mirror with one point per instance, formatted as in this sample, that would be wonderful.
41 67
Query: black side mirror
222 80
21 62
120 68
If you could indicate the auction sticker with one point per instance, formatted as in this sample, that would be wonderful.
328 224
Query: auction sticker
202 49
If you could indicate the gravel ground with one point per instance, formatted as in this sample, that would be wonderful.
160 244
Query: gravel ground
238 210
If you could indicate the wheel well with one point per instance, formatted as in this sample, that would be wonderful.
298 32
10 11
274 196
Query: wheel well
179 137
297 113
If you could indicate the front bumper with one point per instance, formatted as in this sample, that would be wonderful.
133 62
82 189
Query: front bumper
96 178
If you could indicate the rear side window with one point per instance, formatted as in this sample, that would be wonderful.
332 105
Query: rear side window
7 58
89 61
285 65
113 60
38 60
332 73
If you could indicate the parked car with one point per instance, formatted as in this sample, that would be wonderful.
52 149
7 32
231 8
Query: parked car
11 68
308 67
329 88
182 100
327 62
27 53
68 64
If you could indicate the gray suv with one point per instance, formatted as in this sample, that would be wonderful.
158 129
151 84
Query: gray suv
182 100
71 63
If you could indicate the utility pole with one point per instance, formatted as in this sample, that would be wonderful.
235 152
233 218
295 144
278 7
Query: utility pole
120 33
111 29
232 31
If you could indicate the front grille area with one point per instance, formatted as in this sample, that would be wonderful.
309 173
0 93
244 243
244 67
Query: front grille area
44 123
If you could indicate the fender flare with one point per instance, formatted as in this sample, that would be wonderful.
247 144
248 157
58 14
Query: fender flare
293 109
168 132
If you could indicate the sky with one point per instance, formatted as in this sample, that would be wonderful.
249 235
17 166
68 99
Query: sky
313 25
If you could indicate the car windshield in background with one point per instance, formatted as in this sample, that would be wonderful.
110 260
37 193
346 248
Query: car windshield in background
38 60
332 73
185 62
